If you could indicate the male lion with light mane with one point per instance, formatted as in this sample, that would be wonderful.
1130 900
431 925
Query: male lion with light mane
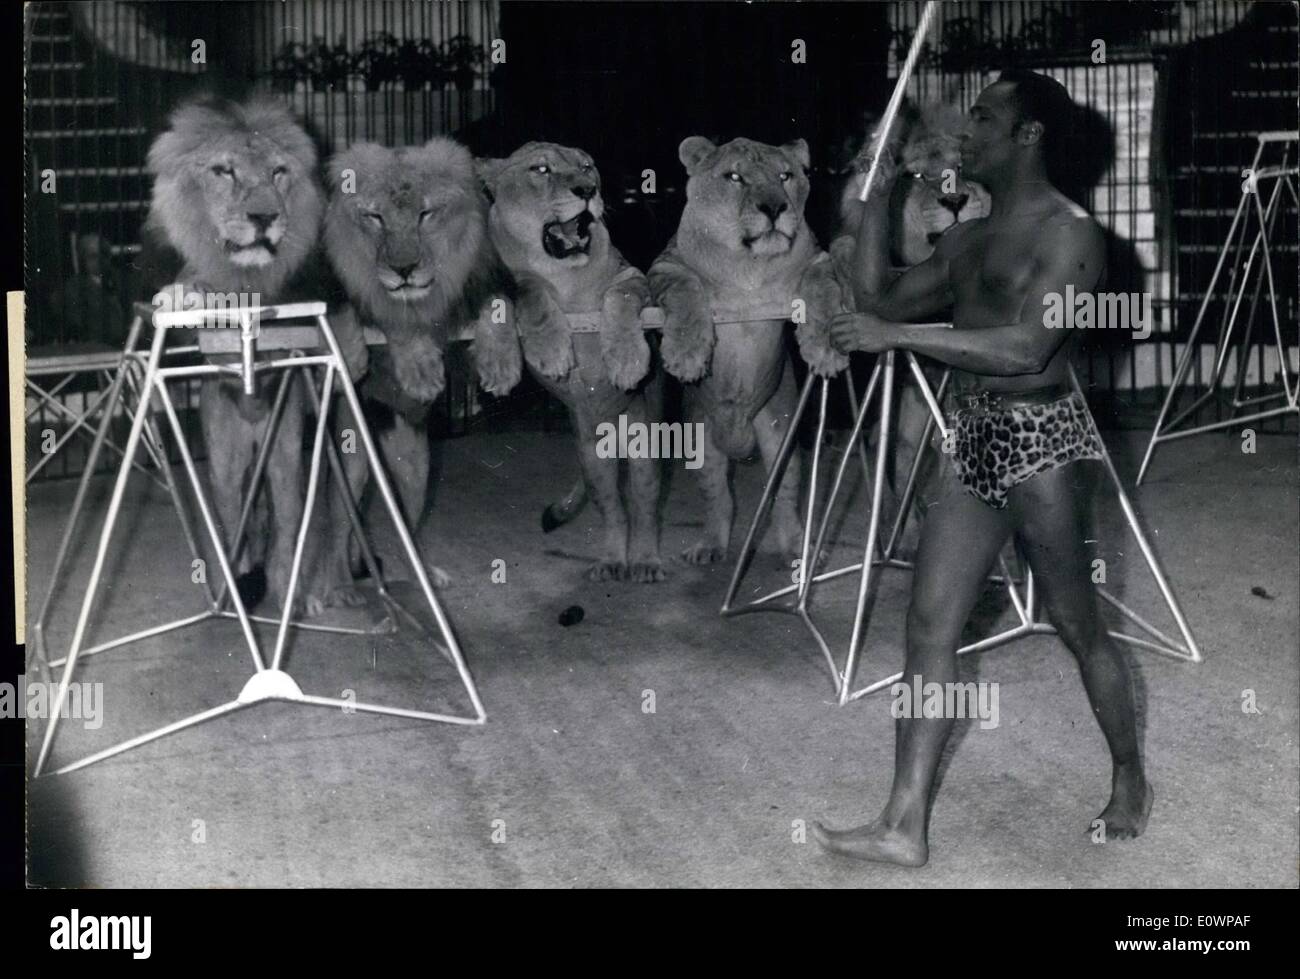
406 231
744 255
929 197
578 317
236 211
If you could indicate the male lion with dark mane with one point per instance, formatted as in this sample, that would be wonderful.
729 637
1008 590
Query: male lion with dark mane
744 256
578 318
236 212
406 231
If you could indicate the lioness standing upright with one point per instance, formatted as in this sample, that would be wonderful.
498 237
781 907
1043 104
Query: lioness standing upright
578 312
743 254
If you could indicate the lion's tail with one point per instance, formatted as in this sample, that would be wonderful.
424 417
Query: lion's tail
563 510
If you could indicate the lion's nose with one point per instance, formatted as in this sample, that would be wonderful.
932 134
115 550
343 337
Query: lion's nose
954 203
584 191
262 219
773 211
404 271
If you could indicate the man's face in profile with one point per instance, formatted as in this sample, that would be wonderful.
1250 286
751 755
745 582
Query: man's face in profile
988 141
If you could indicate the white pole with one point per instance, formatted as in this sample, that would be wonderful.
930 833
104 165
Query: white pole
895 100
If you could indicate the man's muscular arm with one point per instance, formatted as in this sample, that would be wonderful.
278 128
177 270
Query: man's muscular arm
1071 252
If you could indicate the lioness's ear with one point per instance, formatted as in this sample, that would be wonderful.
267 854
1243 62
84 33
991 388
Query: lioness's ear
799 150
488 170
693 150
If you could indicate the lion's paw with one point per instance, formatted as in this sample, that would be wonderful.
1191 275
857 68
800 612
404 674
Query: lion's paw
824 299
646 572
419 371
349 596
178 296
550 352
815 348
607 571
687 348
704 552
627 358
497 358
499 375
623 344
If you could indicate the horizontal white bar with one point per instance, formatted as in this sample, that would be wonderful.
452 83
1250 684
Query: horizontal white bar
199 317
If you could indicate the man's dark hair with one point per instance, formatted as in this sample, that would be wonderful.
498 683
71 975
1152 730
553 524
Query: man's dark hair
1043 100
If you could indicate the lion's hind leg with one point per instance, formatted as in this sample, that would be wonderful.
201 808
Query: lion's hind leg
770 426
719 507
287 485
404 446
231 441
602 480
643 483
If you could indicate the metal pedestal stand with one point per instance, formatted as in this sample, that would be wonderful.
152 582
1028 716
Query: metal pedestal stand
267 682
879 554
1283 176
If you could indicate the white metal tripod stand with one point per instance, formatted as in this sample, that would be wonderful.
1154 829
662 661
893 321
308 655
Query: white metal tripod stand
879 554
271 682
1282 176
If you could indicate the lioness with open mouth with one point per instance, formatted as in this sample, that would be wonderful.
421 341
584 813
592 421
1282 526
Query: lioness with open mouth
577 311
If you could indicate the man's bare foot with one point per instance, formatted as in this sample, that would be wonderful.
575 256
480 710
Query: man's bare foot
873 842
1125 817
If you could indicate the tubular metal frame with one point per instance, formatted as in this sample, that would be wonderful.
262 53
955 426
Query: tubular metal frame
882 380
148 380
1284 175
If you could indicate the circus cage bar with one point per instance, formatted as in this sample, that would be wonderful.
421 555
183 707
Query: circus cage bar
1176 103
1174 110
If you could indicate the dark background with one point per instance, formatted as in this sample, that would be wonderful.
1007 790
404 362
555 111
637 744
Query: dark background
629 81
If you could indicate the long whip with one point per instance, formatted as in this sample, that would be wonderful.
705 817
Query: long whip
895 100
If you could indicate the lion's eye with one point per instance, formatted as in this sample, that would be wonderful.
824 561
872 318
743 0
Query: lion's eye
586 167
374 216
221 170
785 175
734 177
540 168
280 171
425 214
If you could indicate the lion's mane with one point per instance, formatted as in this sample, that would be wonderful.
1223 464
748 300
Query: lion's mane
178 214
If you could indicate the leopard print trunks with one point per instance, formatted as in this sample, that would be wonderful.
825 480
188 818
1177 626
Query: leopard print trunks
999 445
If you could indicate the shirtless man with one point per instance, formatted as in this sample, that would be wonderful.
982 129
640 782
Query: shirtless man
1009 369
